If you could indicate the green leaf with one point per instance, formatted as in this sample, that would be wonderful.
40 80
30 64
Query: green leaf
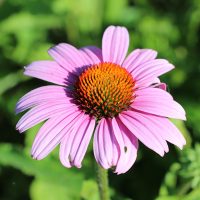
190 170
169 184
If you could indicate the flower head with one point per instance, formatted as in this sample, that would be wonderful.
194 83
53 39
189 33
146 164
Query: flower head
98 90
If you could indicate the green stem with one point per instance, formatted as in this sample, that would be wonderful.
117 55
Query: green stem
102 180
102 177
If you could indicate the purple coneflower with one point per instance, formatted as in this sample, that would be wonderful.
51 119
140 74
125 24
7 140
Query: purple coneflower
101 93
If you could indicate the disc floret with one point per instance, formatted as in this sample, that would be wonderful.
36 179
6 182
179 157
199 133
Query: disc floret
104 90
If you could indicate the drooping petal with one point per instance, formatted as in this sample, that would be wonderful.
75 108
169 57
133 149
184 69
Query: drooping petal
168 130
153 128
138 57
159 102
81 141
52 132
107 143
115 44
74 146
99 146
111 143
146 73
128 145
49 71
67 148
78 150
66 143
43 112
143 131
68 57
41 95
92 54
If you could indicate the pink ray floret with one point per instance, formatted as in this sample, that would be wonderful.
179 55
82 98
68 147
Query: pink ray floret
103 94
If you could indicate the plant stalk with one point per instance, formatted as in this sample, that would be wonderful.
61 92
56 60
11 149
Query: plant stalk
102 180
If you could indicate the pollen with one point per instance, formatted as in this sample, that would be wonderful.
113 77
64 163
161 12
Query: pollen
104 90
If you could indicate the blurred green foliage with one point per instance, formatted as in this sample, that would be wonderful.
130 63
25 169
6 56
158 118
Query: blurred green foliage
28 28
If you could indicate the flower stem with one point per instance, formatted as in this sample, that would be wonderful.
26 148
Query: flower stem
102 176
102 180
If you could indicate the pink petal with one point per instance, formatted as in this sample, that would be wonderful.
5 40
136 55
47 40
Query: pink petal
162 86
42 112
112 144
153 128
68 57
115 44
67 141
157 84
107 143
41 95
92 54
52 132
152 93
168 131
156 81
106 147
99 147
146 73
65 147
138 57
159 102
138 125
49 71
81 141
128 145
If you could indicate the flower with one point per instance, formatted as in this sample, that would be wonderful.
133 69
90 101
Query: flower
98 90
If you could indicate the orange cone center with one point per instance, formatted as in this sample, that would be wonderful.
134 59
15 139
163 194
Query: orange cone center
104 90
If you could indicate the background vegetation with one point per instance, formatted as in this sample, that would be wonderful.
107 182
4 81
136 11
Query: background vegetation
29 27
